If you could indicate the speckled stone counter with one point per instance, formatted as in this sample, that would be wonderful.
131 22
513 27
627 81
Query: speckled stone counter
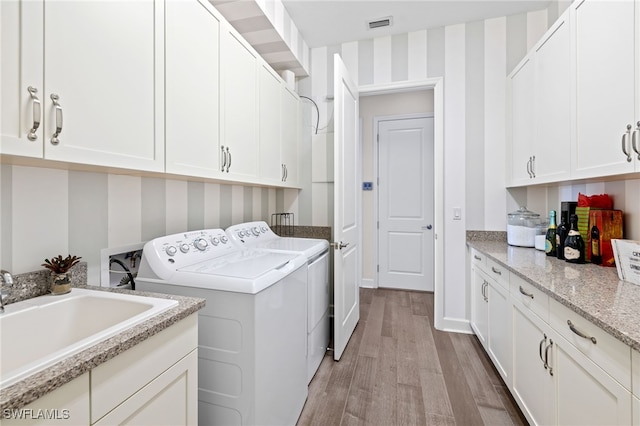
37 385
299 231
592 291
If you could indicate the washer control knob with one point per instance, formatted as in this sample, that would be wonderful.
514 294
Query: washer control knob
224 239
241 234
263 229
215 241
184 247
255 230
171 250
200 244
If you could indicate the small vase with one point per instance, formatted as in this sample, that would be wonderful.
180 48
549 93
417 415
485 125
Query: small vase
60 283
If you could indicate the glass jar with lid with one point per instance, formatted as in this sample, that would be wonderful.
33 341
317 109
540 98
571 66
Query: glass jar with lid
521 227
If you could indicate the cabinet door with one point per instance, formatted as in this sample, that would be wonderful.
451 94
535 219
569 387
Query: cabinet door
500 343
605 80
479 306
290 135
169 399
586 395
105 62
192 88
533 387
521 133
21 50
270 120
552 101
240 106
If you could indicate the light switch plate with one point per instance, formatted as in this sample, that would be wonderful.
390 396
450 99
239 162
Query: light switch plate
457 213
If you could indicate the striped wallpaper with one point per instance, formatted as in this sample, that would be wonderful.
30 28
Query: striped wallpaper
45 212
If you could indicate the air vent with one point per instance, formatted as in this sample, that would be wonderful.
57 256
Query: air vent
379 23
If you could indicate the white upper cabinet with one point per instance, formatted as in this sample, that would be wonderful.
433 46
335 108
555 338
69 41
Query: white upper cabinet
290 135
540 122
100 85
607 53
21 78
520 134
192 88
552 103
239 112
270 125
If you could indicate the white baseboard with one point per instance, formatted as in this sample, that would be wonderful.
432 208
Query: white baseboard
367 283
454 325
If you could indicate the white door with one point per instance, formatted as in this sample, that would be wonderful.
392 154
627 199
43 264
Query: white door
405 200
347 269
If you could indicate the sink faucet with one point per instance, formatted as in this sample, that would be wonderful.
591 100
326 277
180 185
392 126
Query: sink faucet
5 278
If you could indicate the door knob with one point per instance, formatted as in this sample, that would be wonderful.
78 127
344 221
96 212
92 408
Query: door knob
339 245
428 227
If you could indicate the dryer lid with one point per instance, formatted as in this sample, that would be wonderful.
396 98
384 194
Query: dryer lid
245 264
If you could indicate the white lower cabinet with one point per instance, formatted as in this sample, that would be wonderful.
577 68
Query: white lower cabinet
561 368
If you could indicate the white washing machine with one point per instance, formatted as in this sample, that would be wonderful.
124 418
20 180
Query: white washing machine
251 333
258 235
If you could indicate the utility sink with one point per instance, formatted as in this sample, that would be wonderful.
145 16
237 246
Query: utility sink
36 333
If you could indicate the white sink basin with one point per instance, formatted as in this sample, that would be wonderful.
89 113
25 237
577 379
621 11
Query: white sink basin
36 333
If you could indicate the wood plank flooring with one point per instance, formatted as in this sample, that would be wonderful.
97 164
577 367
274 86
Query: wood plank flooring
398 370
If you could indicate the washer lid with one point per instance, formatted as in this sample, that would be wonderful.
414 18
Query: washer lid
309 246
245 264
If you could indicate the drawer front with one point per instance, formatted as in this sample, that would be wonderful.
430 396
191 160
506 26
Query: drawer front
498 272
603 349
477 258
530 296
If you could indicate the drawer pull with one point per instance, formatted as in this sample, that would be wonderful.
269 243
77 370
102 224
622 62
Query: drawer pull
522 290
476 257
54 139
36 113
542 342
496 271
546 357
579 333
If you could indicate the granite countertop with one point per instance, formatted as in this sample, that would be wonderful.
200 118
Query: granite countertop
594 292
37 385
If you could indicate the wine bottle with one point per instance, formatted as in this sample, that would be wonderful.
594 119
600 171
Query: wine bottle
596 257
574 244
561 235
550 239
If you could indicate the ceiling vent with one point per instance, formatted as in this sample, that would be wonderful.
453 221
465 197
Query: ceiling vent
379 23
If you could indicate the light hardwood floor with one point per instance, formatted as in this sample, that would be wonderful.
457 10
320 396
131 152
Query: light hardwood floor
398 370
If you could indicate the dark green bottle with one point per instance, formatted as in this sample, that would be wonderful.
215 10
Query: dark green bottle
561 235
550 238
574 244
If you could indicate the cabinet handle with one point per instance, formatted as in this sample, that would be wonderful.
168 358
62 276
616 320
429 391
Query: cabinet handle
496 271
529 168
32 136
282 172
476 257
56 104
525 293
224 158
286 173
542 342
229 155
580 333
625 141
533 166
634 140
484 291
546 357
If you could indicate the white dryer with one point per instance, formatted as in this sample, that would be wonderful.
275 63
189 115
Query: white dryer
258 235
251 333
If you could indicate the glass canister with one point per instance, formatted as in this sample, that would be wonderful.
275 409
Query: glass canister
521 227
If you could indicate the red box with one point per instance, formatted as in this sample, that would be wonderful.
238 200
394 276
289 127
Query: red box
609 223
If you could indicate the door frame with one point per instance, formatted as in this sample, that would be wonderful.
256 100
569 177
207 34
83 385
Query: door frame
376 171
437 86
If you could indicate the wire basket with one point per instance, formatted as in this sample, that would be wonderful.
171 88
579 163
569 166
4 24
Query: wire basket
282 224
